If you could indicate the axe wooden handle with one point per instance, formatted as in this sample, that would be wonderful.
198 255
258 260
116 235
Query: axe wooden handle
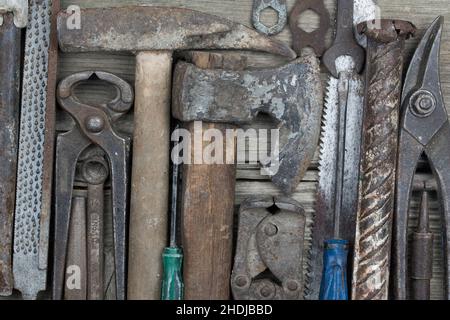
150 174
207 213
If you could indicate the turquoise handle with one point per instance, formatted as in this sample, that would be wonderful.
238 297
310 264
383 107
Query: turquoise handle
172 285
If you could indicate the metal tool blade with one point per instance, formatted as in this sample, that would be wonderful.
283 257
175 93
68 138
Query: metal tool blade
35 162
10 65
330 221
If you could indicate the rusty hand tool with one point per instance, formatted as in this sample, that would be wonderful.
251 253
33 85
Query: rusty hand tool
207 200
154 33
268 264
316 39
422 253
337 194
75 274
95 171
292 96
279 6
172 287
94 126
424 130
384 65
35 157
13 17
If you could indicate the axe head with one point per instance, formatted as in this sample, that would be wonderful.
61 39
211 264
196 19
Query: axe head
149 28
292 95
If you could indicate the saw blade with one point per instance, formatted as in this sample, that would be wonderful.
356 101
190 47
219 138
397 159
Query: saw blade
324 218
35 159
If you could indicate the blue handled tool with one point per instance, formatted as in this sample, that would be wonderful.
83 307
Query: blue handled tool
334 277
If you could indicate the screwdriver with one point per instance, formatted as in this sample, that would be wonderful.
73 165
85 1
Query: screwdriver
172 283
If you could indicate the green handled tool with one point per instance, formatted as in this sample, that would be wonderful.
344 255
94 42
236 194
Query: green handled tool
172 284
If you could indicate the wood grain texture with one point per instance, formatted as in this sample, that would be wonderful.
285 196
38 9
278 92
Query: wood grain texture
207 207
249 181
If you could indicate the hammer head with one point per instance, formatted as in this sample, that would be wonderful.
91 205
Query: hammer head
291 95
144 28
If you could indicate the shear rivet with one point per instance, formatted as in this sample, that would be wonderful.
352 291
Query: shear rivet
270 229
241 281
266 291
423 103
95 124
292 285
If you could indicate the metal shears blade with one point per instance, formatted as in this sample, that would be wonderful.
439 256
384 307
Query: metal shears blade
425 129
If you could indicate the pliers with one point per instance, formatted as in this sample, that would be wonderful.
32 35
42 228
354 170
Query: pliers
425 129
94 126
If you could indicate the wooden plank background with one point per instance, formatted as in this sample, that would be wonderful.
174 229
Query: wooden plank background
250 182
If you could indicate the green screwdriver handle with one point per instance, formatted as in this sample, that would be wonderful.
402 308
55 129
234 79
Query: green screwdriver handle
172 284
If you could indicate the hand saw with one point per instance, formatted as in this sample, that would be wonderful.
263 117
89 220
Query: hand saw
13 17
340 140
36 140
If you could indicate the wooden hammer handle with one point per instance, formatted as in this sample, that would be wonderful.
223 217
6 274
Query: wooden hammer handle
150 174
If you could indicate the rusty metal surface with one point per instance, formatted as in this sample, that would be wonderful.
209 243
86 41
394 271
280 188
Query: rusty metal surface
379 158
35 158
144 28
95 126
10 62
291 94
280 8
344 42
337 193
75 285
19 9
269 254
424 130
302 39
422 253
95 171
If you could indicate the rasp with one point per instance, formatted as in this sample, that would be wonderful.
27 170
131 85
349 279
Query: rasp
337 192
36 141
13 17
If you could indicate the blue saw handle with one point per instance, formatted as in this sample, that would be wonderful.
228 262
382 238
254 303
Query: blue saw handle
334 277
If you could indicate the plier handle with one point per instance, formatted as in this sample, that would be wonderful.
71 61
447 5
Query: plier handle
94 126
425 129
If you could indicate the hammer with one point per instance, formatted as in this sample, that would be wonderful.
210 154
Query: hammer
154 33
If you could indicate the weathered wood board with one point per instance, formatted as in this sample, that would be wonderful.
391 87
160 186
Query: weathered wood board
249 180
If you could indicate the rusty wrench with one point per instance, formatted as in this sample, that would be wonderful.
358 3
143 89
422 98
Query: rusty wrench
94 127
425 128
